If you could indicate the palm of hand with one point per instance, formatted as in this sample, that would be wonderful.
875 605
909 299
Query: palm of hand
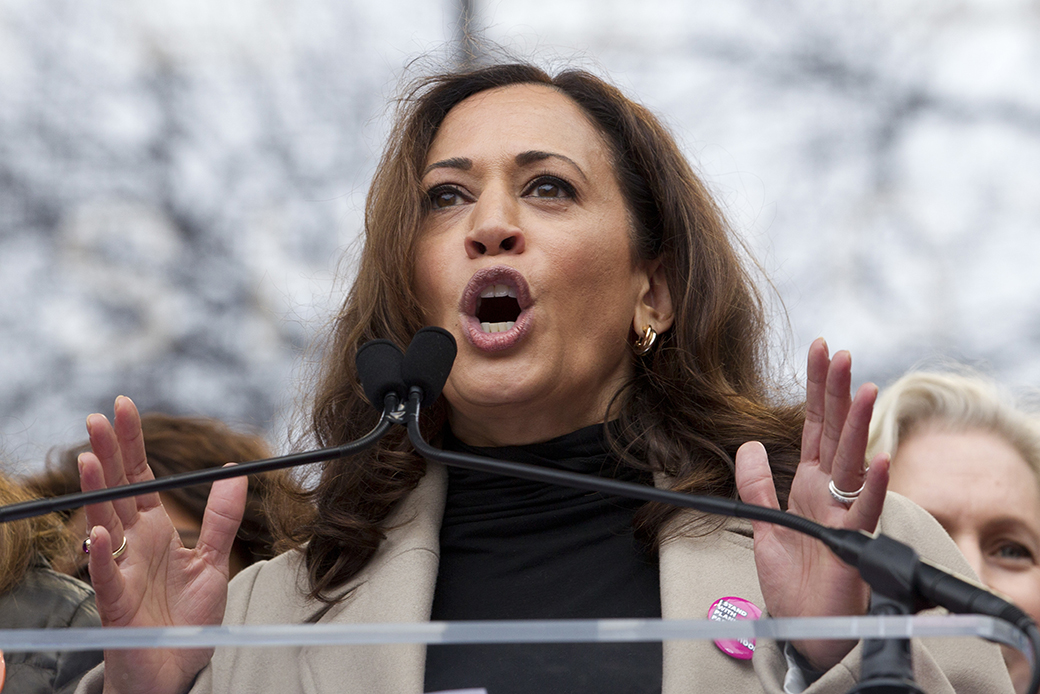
805 562
172 587
157 582
798 575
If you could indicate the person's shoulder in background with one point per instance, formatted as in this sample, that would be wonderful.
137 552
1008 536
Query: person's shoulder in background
46 599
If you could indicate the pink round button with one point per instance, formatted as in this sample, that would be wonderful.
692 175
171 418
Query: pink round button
730 609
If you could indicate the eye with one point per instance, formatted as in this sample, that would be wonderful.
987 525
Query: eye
546 186
444 196
1011 551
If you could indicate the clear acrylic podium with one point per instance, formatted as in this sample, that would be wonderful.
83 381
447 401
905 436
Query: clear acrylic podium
517 631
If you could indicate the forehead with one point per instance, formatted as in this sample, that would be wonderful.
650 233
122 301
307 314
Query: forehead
967 469
517 118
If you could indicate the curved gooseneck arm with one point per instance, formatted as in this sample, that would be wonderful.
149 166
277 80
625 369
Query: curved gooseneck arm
39 507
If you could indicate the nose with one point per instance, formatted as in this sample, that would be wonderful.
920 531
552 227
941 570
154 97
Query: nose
972 551
495 226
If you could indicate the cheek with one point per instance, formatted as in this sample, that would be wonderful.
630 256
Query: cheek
431 281
1023 587
597 273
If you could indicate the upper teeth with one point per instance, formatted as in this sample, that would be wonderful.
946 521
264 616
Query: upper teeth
497 290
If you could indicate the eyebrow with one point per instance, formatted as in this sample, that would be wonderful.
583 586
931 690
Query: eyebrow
525 158
522 159
453 163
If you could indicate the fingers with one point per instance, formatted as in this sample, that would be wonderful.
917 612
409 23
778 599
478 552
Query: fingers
836 407
866 510
828 405
835 434
847 467
92 478
754 477
128 431
105 446
105 576
224 511
104 524
126 427
119 447
117 457
815 397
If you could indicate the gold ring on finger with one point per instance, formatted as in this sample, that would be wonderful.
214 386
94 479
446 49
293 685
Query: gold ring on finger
115 555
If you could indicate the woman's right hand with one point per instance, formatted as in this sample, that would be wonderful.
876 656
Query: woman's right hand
156 581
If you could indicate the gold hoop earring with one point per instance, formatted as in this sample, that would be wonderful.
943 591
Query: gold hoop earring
645 342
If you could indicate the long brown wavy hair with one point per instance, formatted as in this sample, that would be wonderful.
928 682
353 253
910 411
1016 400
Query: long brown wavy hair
693 401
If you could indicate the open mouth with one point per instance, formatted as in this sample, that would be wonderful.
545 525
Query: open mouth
497 308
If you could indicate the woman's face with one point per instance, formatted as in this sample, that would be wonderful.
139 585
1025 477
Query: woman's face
526 257
986 496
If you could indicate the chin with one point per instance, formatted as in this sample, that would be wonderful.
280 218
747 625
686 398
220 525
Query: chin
490 398
492 388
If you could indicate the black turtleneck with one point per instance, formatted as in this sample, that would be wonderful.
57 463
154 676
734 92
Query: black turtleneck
514 549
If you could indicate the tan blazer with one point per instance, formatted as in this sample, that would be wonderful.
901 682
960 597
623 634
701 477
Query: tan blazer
398 584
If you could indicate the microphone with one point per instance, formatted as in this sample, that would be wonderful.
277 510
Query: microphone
379 369
428 362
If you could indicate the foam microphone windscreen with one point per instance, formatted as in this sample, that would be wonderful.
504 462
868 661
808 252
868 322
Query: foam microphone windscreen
379 368
428 361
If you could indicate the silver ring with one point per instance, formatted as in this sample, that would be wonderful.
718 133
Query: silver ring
846 498
115 555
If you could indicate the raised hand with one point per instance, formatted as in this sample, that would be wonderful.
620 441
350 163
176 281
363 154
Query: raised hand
156 581
798 575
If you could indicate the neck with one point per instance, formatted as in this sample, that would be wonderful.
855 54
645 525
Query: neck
510 425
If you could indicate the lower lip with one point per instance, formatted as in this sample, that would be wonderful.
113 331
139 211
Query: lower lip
496 342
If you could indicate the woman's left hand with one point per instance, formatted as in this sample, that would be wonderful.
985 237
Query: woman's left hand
798 575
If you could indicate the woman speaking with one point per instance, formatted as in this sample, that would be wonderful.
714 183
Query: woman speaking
605 325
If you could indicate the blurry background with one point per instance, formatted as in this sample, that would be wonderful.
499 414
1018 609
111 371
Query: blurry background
182 182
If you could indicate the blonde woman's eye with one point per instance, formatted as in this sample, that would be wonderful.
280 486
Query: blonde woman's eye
1013 551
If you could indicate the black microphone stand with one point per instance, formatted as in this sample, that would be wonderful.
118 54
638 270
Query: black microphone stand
886 665
38 507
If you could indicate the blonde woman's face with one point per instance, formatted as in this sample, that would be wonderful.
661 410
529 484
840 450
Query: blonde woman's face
988 499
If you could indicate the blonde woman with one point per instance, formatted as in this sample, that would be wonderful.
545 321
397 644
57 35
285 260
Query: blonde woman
962 449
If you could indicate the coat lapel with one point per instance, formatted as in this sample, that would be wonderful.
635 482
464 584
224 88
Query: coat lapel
396 586
698 567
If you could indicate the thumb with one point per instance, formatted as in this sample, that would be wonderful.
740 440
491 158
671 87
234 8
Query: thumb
754 477
224 510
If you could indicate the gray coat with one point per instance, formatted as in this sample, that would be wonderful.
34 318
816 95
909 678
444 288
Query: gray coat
46 599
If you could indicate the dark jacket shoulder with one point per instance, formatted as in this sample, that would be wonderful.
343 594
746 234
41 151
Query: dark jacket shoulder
46 599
